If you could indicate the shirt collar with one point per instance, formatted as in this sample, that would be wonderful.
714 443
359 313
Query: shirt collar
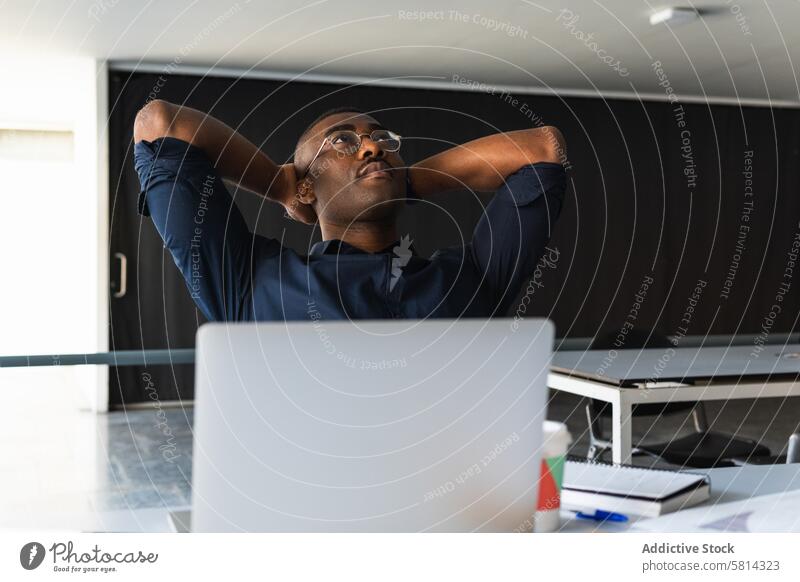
340 247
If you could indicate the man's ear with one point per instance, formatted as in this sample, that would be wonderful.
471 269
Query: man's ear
305 192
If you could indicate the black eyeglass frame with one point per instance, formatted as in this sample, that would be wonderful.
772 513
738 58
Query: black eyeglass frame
392 135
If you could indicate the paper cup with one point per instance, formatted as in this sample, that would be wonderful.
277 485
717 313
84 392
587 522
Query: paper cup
554 451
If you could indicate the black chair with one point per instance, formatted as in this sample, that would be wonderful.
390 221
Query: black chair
702 448
792 455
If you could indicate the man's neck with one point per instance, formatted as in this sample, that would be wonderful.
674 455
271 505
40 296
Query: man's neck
370 237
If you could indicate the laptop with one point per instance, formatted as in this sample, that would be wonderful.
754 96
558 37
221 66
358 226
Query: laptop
369 426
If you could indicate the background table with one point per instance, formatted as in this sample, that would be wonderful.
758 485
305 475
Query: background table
627 377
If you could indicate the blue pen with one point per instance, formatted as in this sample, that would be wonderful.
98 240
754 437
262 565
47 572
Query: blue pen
600 515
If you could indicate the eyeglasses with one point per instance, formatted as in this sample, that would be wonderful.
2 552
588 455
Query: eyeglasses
349 142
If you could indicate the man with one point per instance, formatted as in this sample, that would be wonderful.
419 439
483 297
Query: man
349 177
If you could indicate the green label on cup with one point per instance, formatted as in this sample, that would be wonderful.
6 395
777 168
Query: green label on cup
550 483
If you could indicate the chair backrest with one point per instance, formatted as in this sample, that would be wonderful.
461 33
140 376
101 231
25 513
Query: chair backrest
793 453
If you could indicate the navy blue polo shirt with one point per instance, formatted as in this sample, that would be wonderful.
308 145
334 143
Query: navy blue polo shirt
235 275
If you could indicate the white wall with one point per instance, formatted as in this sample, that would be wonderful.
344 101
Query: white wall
53 226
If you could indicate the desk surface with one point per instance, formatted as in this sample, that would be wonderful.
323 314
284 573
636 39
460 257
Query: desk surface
680 364
727 484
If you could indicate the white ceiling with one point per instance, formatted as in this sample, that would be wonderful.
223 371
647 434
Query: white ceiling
718 56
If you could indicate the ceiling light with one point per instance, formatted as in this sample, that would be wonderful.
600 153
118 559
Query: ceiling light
673 16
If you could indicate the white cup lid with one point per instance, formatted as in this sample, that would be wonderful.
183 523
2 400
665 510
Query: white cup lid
556 438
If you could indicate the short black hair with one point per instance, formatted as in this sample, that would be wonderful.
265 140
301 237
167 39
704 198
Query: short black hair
334 111
328 113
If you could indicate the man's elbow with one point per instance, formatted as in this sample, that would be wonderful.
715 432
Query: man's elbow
153 121
554 147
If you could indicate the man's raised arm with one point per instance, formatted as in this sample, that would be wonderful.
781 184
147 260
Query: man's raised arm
526 168
235 157
484 164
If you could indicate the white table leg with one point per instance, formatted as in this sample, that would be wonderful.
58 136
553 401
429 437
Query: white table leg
621 429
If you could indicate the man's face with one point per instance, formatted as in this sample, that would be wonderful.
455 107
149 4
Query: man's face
368 185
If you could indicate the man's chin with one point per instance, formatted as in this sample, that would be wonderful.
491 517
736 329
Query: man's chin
377 205
377 192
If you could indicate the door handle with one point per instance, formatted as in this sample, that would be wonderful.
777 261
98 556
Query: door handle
123 276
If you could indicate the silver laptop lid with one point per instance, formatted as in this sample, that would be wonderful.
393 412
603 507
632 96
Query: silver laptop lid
370 425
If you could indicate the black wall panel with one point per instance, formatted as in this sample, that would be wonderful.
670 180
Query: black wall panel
632 213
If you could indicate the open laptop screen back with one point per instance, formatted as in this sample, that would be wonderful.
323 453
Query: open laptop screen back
370 425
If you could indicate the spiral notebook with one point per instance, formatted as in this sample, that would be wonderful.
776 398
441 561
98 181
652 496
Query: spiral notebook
626 489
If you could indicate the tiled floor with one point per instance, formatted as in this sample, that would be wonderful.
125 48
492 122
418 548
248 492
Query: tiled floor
141 474
61 468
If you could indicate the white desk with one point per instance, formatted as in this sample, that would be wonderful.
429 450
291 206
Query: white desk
727 484
627 377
